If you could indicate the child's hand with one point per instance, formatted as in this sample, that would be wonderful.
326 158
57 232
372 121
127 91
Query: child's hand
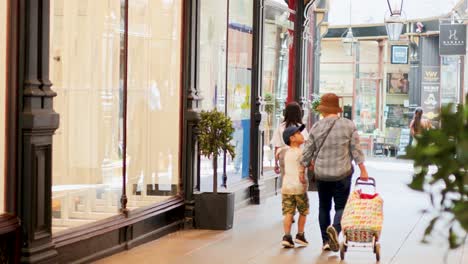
302 178
277 169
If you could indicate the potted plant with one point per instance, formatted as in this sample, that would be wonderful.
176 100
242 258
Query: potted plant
445 148
315 103
214 210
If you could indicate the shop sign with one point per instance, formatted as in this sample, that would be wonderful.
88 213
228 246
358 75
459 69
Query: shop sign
430 91
452 39
400 54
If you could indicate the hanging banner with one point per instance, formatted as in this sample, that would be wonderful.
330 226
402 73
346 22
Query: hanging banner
452 39
430 92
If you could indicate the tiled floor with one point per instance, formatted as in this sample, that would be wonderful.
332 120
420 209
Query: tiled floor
257 232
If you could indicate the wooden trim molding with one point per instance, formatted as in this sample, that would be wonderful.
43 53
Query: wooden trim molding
10 239
116 222
8 223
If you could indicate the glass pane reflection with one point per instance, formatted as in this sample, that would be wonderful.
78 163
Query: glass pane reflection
153 125
84 68
212 73
276 43
239 85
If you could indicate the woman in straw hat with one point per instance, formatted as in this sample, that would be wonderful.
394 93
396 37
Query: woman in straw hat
332 146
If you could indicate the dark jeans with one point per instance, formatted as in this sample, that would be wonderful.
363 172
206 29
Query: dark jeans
339 192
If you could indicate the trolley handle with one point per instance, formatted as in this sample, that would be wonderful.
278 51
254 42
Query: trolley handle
370 181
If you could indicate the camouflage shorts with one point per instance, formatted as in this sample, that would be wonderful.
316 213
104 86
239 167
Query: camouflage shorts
292 201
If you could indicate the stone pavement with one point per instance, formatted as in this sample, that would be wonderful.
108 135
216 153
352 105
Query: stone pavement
257 233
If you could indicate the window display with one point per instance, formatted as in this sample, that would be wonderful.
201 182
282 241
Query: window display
84 69
450 79
275 71
366 106
154 92
396 115
367 87
212 73
86 50
239 84
225 67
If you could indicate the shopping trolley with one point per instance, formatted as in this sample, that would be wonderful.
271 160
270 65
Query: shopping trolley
362 219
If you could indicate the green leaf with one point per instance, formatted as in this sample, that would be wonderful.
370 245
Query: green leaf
453 239
445 147
430 227
460 210
418 183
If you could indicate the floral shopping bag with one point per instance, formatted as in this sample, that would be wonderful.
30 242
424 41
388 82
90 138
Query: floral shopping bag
362 217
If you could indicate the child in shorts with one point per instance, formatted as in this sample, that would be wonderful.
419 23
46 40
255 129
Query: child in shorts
294 189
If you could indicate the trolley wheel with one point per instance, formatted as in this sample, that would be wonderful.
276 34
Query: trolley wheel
377 251
343 249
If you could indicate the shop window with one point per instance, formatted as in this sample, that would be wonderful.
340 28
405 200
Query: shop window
450 76
86 69
212 73
337 74
366 106
225 68
367 87
276 43
239 84
154 66
2 100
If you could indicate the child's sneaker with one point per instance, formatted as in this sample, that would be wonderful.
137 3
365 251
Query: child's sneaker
333 238
300 239
287 241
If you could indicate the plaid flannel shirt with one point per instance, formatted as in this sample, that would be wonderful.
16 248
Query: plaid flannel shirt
333 163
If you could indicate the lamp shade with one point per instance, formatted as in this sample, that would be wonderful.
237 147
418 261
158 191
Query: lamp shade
394 25
348 42
395 6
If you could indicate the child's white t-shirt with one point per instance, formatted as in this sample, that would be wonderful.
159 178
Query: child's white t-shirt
292 164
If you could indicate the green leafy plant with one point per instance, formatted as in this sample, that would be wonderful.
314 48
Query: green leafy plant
215 136
315 103
269 103
446 149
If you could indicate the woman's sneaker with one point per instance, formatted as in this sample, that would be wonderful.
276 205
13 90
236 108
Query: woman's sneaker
333 239
287 241
301 240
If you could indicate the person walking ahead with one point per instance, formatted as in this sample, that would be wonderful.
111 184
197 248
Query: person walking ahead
292 117
418 124
332 145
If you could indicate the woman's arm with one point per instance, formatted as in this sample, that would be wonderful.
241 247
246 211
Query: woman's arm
412 127
277 167
364 175
276 141
309 149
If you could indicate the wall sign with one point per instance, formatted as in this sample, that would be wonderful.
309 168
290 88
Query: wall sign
452 39
400 54
430 92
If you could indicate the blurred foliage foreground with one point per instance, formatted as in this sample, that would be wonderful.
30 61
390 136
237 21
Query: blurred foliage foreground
441 170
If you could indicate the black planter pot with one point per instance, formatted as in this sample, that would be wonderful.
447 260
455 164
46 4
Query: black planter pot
214 211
